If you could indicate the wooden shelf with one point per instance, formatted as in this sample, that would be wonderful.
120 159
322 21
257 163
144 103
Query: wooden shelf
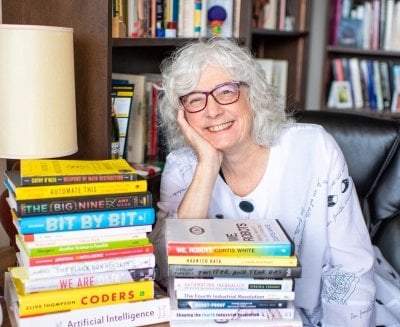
292 46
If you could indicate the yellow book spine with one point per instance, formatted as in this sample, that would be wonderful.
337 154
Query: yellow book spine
272 261
78 298
80 189
61 167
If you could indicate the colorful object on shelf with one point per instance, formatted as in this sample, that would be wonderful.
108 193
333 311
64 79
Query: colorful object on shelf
216 17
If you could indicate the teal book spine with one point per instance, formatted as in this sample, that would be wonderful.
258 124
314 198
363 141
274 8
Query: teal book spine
86 220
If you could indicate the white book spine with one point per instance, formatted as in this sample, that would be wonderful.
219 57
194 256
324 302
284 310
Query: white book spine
292 322
77 234
84 240
241 314
200 294
234 284
95 266
356 82
88 280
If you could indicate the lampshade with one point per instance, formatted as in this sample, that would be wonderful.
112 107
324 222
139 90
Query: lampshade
37 92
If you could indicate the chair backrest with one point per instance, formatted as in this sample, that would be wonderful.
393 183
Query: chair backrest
371 147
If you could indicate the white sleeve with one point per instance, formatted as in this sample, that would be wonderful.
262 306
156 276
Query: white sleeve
348 288
174 183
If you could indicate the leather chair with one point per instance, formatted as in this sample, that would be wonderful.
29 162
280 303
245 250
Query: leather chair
371 146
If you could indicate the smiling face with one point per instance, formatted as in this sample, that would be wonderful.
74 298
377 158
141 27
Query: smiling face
226 127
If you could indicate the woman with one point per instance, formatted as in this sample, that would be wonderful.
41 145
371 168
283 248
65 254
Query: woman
235 154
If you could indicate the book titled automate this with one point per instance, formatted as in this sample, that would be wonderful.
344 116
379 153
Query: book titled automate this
226 238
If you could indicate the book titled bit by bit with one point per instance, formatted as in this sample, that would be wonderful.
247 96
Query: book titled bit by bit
227 238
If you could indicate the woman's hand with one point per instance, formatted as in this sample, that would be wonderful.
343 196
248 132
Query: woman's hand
204 150
196 200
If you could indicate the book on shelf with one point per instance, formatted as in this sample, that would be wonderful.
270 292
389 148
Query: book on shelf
135 143
223 239
340 95
75 298
233 283
350 33
137 313
25 285
88 235
235 314
82 221
13 183
231 304
74 248
28 261
266 13
202 271
276 74
61 171
93 266
122 95
37 207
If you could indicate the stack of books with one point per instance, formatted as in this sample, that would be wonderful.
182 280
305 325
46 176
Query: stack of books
84 256
239 272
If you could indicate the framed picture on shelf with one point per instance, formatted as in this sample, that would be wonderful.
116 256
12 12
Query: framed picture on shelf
340 95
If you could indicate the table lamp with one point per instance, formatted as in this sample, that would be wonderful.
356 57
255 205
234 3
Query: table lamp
37 94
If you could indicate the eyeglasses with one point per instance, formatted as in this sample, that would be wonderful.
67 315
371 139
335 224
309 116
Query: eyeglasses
226 93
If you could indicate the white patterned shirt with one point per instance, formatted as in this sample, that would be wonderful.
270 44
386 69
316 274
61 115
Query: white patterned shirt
306 187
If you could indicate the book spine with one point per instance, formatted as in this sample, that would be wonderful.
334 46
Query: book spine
234 284
89 267
56 180
83 221
85 256
243 314
231 304
211 294
83 241
47 302
202 271
229 249
73 248
234 261
79 190
85 280
70 237
28 208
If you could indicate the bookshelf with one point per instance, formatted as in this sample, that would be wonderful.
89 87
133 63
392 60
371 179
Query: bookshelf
373 48
97 55
291 45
